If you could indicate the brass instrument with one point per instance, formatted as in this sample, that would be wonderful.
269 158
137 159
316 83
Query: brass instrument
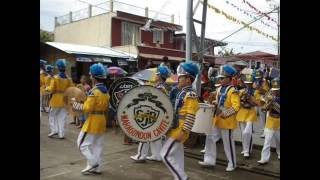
269 103
245 100
212 97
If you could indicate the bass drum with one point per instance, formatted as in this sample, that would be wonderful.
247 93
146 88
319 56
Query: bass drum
120 87
145 113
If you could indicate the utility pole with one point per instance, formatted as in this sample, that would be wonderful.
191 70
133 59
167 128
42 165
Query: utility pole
279 33
188 31
191 34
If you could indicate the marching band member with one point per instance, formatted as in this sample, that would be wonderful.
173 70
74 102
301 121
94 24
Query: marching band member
224 121
48 78
58 114
163 72
247 115
212 100
272 129
262 85
90 139
186 106
43 74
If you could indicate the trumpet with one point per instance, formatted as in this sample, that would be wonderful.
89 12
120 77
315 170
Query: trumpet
245 100
270 103
266 97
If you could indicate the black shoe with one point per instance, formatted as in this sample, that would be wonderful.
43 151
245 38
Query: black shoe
90 170
52 134
262 162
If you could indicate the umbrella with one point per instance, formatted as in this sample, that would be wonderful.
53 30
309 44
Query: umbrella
116 71
150 75
146 74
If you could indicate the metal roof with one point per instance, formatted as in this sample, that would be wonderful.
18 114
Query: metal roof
87 50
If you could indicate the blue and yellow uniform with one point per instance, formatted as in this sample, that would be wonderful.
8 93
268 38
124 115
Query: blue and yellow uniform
273 118
58 114
57 86
43 75
246 114
229 99
47 81
186 107
42 82
49 77
261 84
90 139
272 129
224 121
96 105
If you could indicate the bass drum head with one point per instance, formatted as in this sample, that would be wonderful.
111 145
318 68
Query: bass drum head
145 113
120 87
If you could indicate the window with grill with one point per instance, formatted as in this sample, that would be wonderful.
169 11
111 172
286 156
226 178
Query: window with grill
171 37
130 34
158 36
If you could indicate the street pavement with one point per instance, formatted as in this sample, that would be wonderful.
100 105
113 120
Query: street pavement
62 160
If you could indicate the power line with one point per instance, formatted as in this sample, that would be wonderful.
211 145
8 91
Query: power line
261 16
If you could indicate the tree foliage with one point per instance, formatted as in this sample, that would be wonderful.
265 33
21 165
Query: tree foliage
46 36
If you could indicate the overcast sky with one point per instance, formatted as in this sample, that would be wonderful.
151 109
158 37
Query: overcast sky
217 26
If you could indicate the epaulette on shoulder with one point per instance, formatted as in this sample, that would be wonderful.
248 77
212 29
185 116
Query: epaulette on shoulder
191 94
93 92
234 90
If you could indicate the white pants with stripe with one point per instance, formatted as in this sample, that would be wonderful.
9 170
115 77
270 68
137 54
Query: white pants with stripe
262 118
270 135
210 154
91 146
246 129
143 149
57 120
172 154
41 103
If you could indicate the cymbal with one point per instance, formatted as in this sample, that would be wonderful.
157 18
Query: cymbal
78 95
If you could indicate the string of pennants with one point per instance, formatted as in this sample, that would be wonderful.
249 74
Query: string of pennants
251 16
231 18
258 11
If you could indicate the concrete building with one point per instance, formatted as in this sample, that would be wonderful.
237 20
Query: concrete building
130 33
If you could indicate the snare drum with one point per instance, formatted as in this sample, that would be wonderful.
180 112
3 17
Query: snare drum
203 121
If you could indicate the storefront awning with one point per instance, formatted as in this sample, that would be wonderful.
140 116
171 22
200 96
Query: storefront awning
93 59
